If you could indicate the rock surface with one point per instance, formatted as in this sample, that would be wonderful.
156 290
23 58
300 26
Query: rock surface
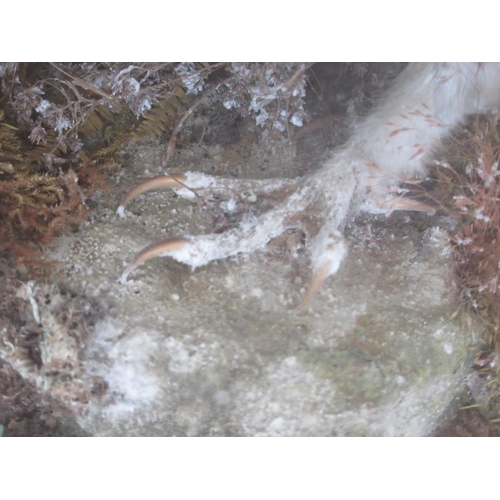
381 350
217 351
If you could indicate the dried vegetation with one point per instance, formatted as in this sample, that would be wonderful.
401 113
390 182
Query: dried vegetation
469 191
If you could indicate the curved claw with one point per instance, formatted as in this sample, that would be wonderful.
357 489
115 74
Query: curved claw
328 251
390 204
160 249
158 182
318 279
409 204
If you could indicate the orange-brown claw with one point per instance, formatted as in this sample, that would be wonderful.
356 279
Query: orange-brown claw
402 203
318 279
159 249
158 182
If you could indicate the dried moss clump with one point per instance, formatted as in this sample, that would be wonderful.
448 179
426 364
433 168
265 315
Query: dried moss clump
36 206
470 187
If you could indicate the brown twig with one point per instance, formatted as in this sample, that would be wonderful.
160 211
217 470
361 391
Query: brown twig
81 82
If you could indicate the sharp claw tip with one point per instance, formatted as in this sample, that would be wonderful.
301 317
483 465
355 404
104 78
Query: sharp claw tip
301 307
317 281
123 278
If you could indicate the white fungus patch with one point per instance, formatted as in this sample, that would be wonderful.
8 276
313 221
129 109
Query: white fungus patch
128 372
